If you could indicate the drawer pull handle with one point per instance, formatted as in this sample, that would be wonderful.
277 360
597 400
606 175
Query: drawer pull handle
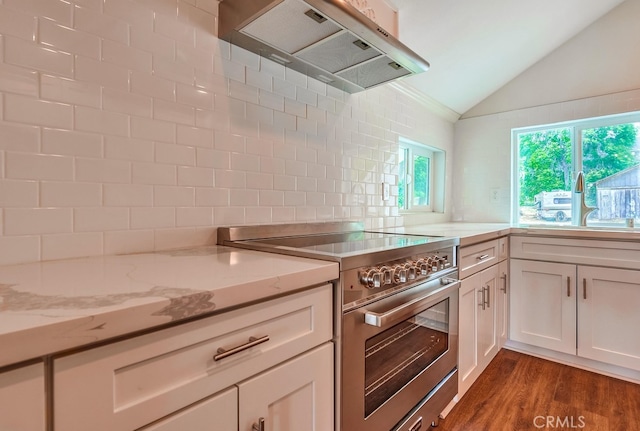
258 426
253 341
483 257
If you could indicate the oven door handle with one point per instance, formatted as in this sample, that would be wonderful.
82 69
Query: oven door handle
410 307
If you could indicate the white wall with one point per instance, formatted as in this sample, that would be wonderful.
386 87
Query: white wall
127 126
594 74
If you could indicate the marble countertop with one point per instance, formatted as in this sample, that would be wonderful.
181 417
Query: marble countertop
472 233
47 307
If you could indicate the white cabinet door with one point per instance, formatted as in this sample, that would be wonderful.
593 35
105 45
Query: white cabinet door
488 316
218 413
502 302
543 304
468 300
22 403
294 396
609 315
478 335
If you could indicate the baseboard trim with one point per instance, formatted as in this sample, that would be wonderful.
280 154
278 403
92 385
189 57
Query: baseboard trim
614 371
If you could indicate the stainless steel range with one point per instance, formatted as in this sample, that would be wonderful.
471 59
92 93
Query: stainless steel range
397 308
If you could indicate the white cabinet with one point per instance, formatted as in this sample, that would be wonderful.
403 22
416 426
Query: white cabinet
22 399
220 409
297 395
543 304
483 306
608 315
168 376
581 310
478 325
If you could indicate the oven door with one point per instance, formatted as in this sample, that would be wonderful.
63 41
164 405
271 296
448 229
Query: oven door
395 351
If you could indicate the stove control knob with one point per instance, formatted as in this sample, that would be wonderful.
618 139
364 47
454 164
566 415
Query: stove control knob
372 278
411 270
399 274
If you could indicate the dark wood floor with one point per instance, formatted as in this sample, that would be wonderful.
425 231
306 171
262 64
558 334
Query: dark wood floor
519 392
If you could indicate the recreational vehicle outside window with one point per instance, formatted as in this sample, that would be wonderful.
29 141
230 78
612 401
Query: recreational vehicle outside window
548 158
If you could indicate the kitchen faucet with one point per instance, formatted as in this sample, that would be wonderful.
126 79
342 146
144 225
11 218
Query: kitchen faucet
583 209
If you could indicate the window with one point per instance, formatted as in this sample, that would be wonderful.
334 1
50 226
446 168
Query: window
420 177
548 159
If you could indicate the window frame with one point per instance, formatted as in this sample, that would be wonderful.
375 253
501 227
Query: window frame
576 128
411 150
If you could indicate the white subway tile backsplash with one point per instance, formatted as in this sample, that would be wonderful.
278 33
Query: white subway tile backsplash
128 241
174 112
24 109
14 79
70 194
126 103
19 249
101 73
105 26
174 196
152 173
37 221
212 197
67 39
128 195
67 90
57 10
173 70
126 125
66 246
18 137
195 176
245 162
99 121
184 237
230 179
153 130
18 193
194 216
175 154
194 136
17 23
37 57
38 167
102 171
126 56
152 217
98 219
152 86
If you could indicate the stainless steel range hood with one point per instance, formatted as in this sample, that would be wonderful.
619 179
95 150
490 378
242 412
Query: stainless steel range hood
329 40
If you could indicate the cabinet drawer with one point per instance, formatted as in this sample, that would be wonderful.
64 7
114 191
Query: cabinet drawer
614 254
137 381
477 257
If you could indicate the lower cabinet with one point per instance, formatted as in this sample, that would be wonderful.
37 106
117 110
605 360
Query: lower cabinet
480 306
582 310
22 399
272 360
297 395
293 396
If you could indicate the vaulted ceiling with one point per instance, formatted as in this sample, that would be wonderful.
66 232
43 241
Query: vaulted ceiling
477 46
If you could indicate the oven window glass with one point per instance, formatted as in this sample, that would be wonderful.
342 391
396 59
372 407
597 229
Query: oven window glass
396 356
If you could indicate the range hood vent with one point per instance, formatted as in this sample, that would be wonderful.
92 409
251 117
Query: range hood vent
329 40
